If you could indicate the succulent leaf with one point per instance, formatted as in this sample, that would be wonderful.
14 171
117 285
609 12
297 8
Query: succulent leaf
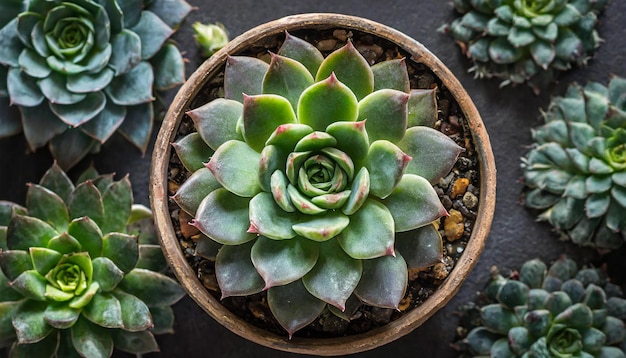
422 247
293 306
386 113
216 121
326 102
301 51
235 166
236 274
243 75
383 282
350 68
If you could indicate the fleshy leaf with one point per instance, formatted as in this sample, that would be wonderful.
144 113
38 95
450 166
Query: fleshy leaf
350 68
391 74
64 244
272 159
55 89
172 12
133 87
169 67
385 112
104 124
30 325
370 233
386 164
421 247
122 249
25 231
352 139
322 227
86 200
117 201
153 288
243 74
10 44
126 51
86 83
326 102
301 51
287 78
358 192
383 282
104 310
413 203
138 130
135 313
287 135
334 276
236 166
40 125
14 263
163 319
433 152
262 114
70 147
236 275
31 285
60 316
293 306
46 347
216 121
23 90
43 259
153 32
192 151
90 340
195 189
223 216
422 108
135 342
47 206
280 262
268 219
88 234
33 64
106 273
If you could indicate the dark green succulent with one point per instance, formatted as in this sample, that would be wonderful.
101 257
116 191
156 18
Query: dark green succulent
76 69
576 171
557 312
80 271
318 175
526 41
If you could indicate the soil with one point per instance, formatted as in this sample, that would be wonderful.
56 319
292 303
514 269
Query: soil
459 192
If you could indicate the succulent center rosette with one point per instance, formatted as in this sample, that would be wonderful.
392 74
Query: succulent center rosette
319 177
80 271
77 68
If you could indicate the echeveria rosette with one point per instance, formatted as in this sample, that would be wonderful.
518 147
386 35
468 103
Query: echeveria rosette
558 311
77 69
80 271
526 41
576 170
315 164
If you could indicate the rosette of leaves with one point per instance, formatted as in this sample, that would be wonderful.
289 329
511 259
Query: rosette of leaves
319 180
576 171
77 69
80 271
556 312
210 37
526 41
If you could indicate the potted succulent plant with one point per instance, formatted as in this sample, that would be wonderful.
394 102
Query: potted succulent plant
307 168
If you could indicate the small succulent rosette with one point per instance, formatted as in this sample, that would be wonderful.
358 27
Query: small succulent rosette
76 69
210 37
526 41
315 174
576 171
558 311
81 271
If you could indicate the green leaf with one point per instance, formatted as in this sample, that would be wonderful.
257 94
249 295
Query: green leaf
169 67
90 340
413 203
70 147
29 323
568 16
78 113
480 340
421 247
33 64
268 219
596 205
386 164
262 114
433 153
359 192
86 200
30 284
60 316
106 273
122 249
135 313
543 53
383 282
575 316
163 319
86 83
126 51
10 44
370 233
135 342
497 27
273 161
55 89
334 276
236 275
532 273
172 12
391 74
10 121
385 114
14 263
513 293
475 20
498 318
47 347
301 51
117 201
192 151
104 124
287 135
287 78
151 258
350 68
235 166
43 259
57 181
195 189
422 108
224 217
327 102
293 306
321 227
502 52
520 37
133 87
42 125
26 231
352 139
88 234
47 206
153 33
153 288
568 46
23 90
104 310
280 262
243 74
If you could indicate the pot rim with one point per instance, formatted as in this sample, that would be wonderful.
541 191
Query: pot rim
338 345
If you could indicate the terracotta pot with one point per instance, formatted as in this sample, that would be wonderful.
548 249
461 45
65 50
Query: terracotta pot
327 346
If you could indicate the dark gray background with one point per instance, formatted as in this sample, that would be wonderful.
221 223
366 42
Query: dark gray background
508 114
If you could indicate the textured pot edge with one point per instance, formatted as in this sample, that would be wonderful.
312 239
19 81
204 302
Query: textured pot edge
340 345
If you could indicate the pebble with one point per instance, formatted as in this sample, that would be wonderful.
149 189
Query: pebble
327 45
453 225
342 35
405 303
445 181
440 272
172 187
380 315
370 52
209 281
459 187
470 200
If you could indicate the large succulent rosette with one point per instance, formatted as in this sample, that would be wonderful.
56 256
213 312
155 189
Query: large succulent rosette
550 312
576 170
77 69
80 271
526 41
319 179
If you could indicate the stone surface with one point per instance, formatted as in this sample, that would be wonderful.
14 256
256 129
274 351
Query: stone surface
508 114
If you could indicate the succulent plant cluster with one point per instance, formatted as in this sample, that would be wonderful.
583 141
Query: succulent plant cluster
210 37
576 171
80 271
315 175
556 312
526 41
76 69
